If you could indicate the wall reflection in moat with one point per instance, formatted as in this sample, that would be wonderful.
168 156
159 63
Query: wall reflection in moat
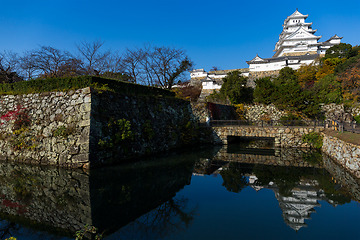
62 201
140 200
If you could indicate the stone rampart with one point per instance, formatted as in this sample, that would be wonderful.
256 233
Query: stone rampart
205 93
338 112
154 124
258 112
346 154
49 128
261 74
69 129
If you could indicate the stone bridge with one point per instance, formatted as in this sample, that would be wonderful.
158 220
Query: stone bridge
284 136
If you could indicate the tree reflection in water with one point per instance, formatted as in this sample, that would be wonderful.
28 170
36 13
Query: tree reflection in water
12 229
7 229
169 219
234 177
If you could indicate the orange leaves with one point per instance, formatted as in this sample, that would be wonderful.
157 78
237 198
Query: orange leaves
328 67
350 82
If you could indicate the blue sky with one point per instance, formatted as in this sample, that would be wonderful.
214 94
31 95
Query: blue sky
214 33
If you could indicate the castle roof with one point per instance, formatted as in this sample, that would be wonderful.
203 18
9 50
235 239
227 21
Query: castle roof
333 37
259 60
297 34
197 70
296 14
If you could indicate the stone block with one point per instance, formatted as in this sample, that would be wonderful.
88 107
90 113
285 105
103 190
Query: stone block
87 99
63 158
85 107
73 150
84 148
80 158
85 136
84 123
86 90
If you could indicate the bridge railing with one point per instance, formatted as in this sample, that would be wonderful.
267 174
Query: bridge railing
352 127
270 123
334 125
343 126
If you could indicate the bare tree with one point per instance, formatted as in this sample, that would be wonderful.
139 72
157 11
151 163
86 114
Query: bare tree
48 61
114 63
27 65
156 66
215 68
71 68
10 61
166 64
162 66
94 60
9 67
132 63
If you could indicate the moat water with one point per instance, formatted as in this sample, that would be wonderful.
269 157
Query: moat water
230 192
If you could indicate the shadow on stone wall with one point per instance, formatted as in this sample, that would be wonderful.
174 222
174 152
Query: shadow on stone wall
214 111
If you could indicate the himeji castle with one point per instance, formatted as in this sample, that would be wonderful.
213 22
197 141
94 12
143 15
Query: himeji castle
297 45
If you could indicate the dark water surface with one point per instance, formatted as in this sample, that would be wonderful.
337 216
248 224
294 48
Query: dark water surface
230 192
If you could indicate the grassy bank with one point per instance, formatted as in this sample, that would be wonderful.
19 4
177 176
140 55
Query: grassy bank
349 137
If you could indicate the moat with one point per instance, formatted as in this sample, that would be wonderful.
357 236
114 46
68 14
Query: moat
230 192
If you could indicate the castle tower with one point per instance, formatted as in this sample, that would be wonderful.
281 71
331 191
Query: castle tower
297 37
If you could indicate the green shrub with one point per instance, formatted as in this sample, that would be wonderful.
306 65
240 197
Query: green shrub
148 130
64 132
72 83
119 133
314 139
357 118
79 235
291 120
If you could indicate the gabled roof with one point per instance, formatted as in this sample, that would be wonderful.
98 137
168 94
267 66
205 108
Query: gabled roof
283 58
301 30
296 14
326 43
208 79
334 37
257 59
293 36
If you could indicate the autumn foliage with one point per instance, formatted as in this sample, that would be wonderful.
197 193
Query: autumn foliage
186 91
332 79
350 82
